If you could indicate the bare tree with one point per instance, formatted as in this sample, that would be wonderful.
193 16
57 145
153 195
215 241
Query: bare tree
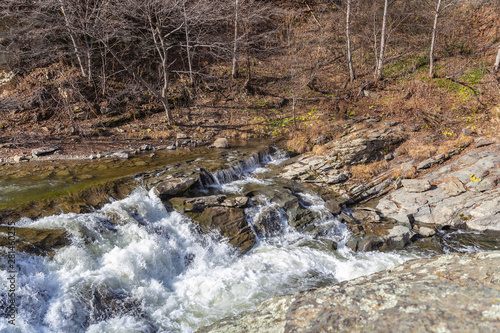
352 75
496 66
439 9
380 62
234 72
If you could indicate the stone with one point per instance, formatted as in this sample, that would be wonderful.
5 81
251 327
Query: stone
483 142
121 155
427 164
453 186
445 293
44 151
221 143
146 147
426 232
415 185
370 94
181 136
333 207
36 241
174 186
388 157
365 214
210 214
240 202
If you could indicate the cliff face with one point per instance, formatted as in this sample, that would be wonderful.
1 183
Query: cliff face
448 293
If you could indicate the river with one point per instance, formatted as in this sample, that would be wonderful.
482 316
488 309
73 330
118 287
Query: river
132 266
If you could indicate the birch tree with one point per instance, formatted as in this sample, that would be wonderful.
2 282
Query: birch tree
352 75
496 66
380 61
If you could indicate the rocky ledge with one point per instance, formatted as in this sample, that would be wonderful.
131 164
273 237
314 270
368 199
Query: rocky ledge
461 194
447 293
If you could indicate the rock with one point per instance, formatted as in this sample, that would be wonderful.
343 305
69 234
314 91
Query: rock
451 203
210 214
365 214
398 183
299 217
452 293
427 232
44 151
174 186
320 140
181 136
468 131
121 155
483 142
240 202
146 147
370 94
333 207
19 158
415 185
221 143
388 157
453 186
36 241
427 164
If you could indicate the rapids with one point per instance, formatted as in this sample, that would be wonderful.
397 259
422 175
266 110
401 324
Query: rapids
133 266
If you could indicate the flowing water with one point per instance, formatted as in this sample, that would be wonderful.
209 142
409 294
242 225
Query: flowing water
134 267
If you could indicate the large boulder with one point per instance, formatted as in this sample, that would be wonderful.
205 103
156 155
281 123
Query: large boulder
448 293
174 186
219 213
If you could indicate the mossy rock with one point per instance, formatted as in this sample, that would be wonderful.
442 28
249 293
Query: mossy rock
35 241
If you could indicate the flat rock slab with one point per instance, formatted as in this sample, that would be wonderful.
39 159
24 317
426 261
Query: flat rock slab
416 185
448 293
43 151
467 194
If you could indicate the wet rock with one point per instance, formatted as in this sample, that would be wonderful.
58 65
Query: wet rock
35 241
298 215
236 202
174 186
415 185
221 143
333 207
215 212
454 293
45 151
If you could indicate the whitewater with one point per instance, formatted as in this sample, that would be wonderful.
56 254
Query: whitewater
132 266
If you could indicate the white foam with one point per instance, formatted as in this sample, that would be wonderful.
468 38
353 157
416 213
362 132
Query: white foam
161 275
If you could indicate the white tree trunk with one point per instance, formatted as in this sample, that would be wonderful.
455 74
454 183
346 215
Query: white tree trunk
186 30
433 40
378 71
352 75
73 41
235 46
496 67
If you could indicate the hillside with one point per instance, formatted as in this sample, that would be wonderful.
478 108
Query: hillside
291 60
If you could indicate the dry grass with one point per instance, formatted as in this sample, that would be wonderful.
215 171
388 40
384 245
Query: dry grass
319 149
369 170
298 144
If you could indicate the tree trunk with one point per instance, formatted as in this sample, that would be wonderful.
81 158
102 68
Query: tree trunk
378 71
496 67
73 41
235 46
352 75
433 41
186 29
